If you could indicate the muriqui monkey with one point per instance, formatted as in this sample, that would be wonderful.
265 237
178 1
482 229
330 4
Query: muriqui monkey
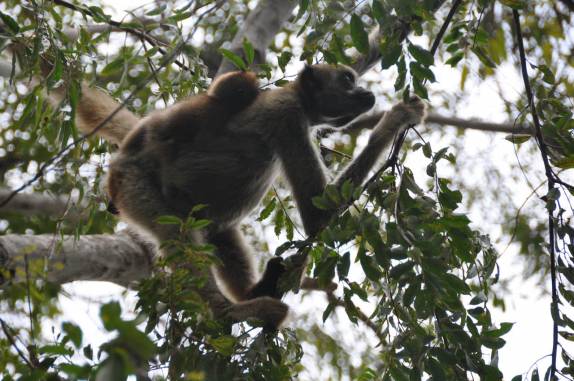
231 167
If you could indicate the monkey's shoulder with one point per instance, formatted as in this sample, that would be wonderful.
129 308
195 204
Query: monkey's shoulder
270 111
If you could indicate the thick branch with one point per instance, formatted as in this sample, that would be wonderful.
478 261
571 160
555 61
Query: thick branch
368 121
260 28
5 69
34 204
120 258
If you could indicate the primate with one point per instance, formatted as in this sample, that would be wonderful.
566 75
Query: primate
195 121
232 167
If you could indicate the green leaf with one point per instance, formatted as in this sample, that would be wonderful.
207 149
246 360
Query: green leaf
518 138
113 67
88 352
455 59
420 89
378 11
344 265
370 268
515 4
10 23
58 349
483 57
110 315
249 51
358 34
330 308
157 11
547 75
339 47
400 269
57 70
180 16
421 72
266 212
390 53
192 223
73 332
234 58
223 344
303 5
332 194
421 55
169 220
284 59
322 202
402 74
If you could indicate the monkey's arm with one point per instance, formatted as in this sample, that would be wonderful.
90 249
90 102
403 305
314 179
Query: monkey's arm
400 116
304 171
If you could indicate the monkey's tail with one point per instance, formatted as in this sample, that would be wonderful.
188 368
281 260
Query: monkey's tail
95 107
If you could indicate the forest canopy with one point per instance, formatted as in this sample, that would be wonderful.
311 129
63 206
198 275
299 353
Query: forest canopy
420 252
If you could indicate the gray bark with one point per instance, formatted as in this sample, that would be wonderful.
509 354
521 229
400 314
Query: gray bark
36 204
368 121
119 258
260 28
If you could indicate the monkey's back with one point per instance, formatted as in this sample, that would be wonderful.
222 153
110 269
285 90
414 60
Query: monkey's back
194 156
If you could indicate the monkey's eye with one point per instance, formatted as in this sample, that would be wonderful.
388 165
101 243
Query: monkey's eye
348 79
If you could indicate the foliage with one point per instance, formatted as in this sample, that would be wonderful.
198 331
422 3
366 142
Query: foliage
402 248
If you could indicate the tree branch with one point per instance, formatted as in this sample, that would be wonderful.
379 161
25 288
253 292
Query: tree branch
119 258
34 204
368 121
259 29
551 181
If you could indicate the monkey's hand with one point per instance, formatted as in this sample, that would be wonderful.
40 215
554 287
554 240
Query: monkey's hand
397 119
407 113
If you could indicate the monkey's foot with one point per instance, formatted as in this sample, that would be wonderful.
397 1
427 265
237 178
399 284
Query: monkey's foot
270 311
267 286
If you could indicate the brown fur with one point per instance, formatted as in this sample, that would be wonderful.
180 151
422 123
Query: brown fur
199 152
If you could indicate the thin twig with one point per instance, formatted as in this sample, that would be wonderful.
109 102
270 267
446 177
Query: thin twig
29 297
10 337
551 182
360 315
142 35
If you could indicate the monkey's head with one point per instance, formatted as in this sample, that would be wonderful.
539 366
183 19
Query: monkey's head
331 95
236 89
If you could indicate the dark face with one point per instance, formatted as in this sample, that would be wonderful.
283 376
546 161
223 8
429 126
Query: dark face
333 94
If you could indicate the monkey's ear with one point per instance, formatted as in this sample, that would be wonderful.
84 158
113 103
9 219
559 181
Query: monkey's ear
307 74
308 78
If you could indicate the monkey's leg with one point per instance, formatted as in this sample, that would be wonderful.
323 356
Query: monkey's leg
236 269
138 198
237 273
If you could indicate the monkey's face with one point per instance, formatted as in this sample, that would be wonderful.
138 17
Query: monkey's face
333 95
